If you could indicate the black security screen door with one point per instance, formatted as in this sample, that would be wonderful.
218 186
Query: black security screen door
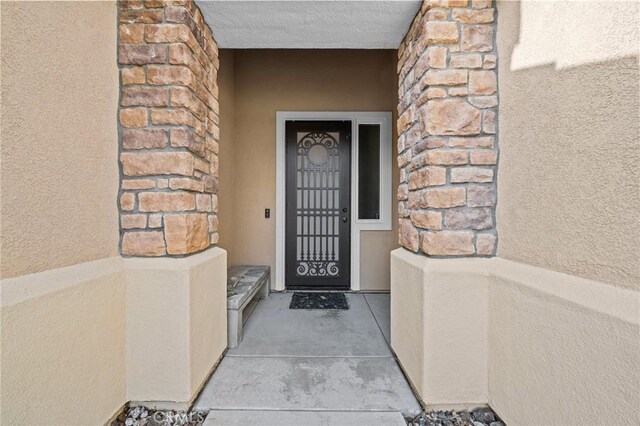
318 217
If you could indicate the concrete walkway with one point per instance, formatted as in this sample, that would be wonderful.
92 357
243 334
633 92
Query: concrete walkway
311 367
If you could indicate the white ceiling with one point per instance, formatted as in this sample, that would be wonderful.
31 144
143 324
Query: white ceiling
309 24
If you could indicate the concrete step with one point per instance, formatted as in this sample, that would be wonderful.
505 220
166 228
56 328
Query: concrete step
308 384
308 418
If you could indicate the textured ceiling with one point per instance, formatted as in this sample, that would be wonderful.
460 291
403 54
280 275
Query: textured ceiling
309 24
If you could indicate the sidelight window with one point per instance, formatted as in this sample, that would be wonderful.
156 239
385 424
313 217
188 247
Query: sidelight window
368 171
373 172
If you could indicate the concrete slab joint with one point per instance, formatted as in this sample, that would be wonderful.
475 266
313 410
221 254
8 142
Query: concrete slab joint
447 127
168 133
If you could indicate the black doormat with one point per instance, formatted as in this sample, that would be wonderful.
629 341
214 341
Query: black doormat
318 301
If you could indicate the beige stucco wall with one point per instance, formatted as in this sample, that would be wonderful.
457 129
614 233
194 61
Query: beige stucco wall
439 327
176 327
267 81
375 249
105 332
63 293
568 196
564 346
80 324
226 169
59 135
63 345
524 339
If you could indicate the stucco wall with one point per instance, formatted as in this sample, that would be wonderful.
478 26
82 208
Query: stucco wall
562 345
445 302
527 340
226 169
267 81
59 135
87 331
177 311
72 324
63 345
568 196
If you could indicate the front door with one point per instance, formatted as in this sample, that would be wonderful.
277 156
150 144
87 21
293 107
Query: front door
318 217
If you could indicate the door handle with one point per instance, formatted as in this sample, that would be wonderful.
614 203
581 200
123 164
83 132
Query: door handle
345 219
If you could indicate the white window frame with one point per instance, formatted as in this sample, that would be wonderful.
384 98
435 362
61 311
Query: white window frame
383 118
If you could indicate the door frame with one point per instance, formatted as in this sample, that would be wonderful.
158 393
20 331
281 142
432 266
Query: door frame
383 224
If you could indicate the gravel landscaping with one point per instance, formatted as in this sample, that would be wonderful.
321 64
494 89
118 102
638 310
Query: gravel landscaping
143 416
478 417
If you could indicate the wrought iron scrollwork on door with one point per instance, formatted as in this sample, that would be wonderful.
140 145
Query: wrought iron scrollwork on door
317 205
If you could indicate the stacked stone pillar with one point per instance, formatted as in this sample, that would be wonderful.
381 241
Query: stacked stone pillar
169 132
447 144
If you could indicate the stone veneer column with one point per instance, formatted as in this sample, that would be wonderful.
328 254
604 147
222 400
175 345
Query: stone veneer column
169 131
447 144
